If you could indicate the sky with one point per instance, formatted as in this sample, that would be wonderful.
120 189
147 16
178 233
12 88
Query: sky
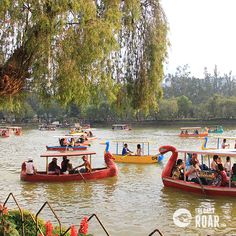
202 34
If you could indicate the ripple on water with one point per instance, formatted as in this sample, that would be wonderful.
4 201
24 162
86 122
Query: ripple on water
135 201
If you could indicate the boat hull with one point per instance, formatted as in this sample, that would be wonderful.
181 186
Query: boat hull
59 148
99 173
145 159
193 135
197 188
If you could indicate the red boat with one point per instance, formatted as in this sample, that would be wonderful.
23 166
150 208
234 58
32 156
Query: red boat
66 148
98 173
168 181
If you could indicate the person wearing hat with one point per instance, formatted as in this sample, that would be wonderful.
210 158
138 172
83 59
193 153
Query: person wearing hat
53 167
30 170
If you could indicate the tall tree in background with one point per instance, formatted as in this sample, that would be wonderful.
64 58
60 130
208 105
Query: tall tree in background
80 51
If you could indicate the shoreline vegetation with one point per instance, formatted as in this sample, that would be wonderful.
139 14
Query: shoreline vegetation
143 123
185 99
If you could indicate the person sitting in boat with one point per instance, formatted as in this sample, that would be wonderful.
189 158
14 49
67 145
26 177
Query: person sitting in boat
224 144
214 165
178 170
125 150
233 177
72 142
139 150
196 132
30 170
53 167
186 131
90 134
227 165
64 164
193 173
224 177
87 167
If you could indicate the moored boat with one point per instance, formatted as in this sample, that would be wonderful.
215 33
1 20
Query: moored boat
192 132
110 170
168 181
121 127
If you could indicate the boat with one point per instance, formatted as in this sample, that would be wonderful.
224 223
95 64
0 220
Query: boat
121 127
219 141
133 158
184 185
4 133
192 132
78 139
110 170
15 130
66 148
218 129
87 134
47 127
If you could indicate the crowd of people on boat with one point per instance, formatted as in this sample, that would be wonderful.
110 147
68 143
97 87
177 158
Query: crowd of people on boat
65 168
64 142
218 174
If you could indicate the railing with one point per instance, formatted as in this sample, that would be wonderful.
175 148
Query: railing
155 231
35 219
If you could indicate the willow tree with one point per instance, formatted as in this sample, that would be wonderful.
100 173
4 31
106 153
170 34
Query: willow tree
82 50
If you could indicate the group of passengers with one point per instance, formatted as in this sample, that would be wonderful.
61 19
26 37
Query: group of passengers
72 142
66 166
218 174
127 152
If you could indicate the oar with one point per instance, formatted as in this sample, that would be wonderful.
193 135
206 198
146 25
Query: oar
82 177
79 173
200 182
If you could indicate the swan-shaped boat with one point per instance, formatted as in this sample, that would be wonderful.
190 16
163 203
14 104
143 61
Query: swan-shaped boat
184 185
110 170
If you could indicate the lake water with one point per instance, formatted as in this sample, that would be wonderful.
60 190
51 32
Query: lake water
134 203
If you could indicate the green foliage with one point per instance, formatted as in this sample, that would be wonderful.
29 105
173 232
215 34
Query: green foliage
184 106
80 52
13 224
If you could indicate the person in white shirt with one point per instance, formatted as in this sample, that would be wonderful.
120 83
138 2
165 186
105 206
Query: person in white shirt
224 144
30 170
227 165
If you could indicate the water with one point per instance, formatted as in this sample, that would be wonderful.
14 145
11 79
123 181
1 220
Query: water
134 203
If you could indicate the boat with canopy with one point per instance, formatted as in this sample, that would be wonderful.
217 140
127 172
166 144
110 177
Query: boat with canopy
110 170
144 158
215 189
15 130
219 141
217 129
121 127
192 132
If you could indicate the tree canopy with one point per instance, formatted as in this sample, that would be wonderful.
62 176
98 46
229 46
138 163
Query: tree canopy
82 51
